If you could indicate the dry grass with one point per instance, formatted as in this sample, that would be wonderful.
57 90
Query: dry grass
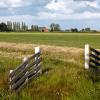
12 50
22 46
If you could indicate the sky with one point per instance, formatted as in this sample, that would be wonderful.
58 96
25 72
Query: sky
67 13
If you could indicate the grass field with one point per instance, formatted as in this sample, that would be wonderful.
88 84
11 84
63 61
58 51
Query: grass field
58 39
64 76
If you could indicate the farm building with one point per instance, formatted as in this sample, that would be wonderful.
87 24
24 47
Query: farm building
43 29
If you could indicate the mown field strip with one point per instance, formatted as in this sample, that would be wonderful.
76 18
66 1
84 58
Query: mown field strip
51 33
27 47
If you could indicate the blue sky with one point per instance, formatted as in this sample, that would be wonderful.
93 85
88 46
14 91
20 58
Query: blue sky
67 13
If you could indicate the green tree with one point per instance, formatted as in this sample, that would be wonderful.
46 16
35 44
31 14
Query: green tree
35 28
54 27
9 25
24 27
14 26
74 30
3 27
57 27
87 29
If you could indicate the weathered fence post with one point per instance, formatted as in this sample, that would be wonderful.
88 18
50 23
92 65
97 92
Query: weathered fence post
87 58
24 60
10 79
37 50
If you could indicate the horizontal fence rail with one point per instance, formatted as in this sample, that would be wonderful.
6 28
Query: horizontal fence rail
92 57
30 68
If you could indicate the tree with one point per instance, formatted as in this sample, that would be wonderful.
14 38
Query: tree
74 30
9 25
54 27
57 27
3 27
18 26
35 28
24 27
86 30
14 26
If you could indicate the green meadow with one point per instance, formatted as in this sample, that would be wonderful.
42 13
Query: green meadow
57 39
63 74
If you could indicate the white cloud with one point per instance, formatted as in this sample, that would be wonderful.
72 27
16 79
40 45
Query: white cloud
50 16
94 4
19 18
71 9
71 5
55 9
54 5
14 3
76 16
2 4
11 4
61 5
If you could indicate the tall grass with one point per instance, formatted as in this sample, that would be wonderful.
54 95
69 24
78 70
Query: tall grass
63 78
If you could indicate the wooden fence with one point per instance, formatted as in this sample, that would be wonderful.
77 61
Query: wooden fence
92 57
30 67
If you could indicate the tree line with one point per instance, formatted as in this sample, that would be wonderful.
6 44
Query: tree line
22 26
13 26
17 26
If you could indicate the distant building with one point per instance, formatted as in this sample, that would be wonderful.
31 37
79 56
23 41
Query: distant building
43 29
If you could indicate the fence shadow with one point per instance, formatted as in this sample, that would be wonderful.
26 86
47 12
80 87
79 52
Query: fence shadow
94 74
46 70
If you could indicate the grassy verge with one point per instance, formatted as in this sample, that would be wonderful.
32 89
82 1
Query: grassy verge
63 78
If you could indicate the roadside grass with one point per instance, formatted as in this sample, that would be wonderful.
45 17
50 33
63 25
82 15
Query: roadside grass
63 77
56 39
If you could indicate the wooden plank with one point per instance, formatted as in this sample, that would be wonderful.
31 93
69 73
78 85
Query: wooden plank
18 69
93 66
24 70
23 64
19 83
95 62
35 75
17 77
96 57
22 85
34 71
36 68
95 51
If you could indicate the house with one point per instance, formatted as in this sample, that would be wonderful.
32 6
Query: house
43 29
